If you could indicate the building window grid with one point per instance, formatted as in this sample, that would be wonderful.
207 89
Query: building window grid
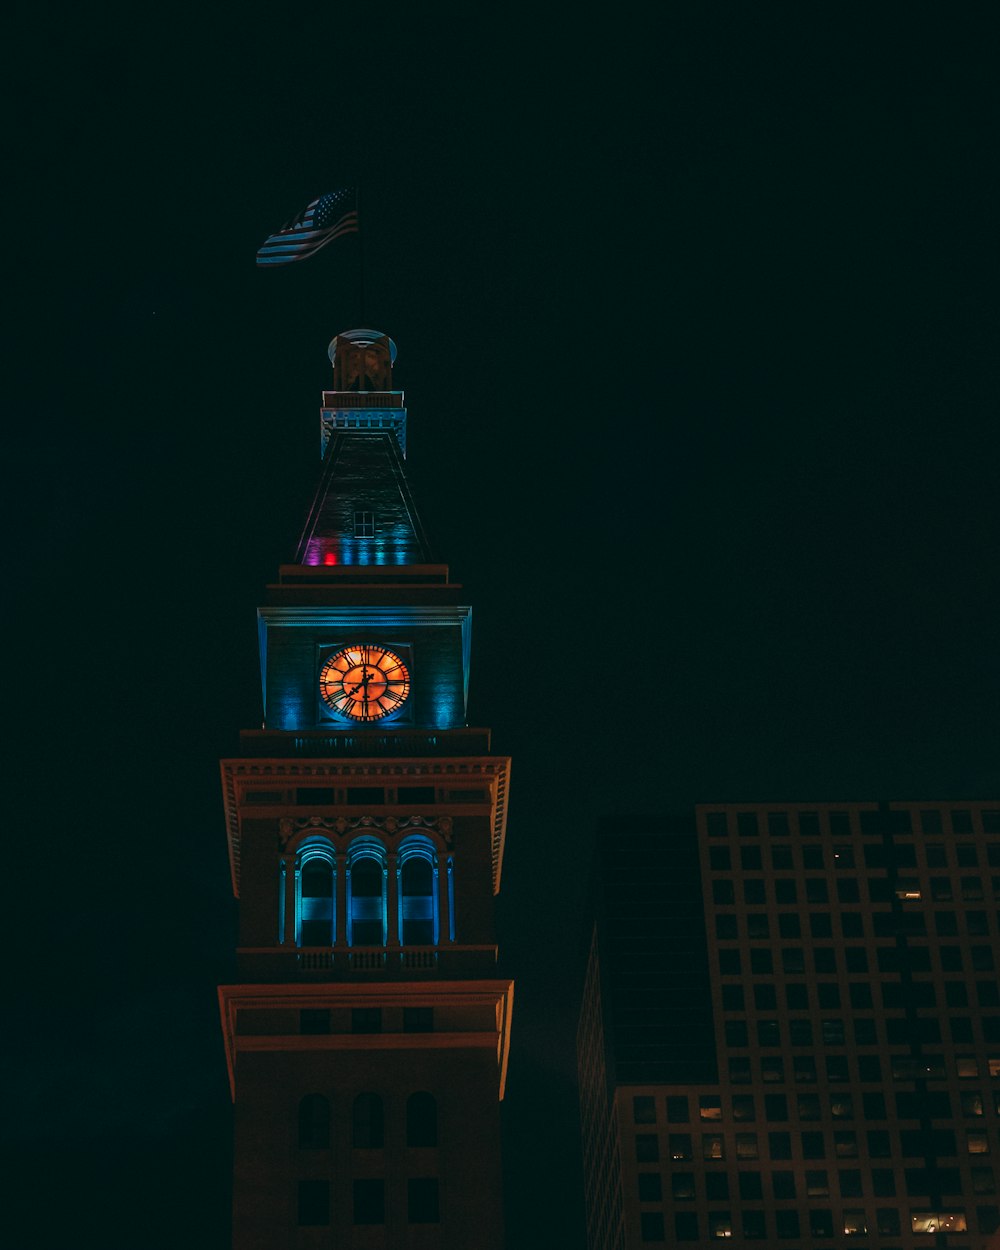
885 946
740 914
693 1189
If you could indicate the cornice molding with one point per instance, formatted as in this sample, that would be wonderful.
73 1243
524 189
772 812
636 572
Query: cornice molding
354 617
495 768
464 993
460 766
291 827
367 1041
498 994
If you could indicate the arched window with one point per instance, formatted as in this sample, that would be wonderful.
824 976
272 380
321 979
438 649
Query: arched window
315 894
418 904
366 916
368 1122
421 1120
314 1122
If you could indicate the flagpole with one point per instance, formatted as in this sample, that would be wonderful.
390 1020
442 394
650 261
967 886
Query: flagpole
361 256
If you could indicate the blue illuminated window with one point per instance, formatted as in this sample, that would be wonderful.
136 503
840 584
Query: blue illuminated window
368 1122
366 905
366 1019
421 1119
418 894
315 868
314 1020
314 1122
651 1225
314 1203
369 1201
418 1019
422 1201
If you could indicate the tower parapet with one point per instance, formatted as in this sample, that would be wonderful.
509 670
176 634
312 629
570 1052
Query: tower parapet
363 512
362 397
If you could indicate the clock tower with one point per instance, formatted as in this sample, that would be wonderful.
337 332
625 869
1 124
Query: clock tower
367 1039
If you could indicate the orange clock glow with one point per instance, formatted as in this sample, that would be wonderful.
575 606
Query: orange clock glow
364 682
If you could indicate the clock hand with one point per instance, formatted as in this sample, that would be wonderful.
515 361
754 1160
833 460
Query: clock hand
365 679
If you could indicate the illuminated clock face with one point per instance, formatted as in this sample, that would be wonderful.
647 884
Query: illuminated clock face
364 682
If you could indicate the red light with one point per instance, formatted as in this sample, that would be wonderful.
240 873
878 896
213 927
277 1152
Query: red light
329 558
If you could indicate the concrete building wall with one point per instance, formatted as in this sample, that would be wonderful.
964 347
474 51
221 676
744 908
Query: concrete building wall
270 1163
852 954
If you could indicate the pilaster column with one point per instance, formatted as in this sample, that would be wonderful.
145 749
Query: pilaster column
291 871
448 902
340 901
392 901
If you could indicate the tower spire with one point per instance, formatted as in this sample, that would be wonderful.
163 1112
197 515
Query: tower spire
363 511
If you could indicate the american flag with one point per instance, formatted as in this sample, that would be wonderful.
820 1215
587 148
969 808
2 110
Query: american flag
324 220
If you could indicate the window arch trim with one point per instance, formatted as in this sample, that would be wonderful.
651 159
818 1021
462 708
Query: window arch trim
368 910
418 915
315 912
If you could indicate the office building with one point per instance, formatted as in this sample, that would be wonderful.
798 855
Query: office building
834 1076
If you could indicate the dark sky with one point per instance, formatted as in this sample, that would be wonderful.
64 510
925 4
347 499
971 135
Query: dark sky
697 322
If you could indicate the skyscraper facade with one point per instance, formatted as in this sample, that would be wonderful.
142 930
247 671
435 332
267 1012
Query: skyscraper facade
841 1085
367 1037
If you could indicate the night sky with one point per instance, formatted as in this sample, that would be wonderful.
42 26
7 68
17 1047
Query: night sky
697 324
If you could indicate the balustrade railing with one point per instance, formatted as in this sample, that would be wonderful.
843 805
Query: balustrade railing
315 961
418 958
457 742
364 959
362 399
370 959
